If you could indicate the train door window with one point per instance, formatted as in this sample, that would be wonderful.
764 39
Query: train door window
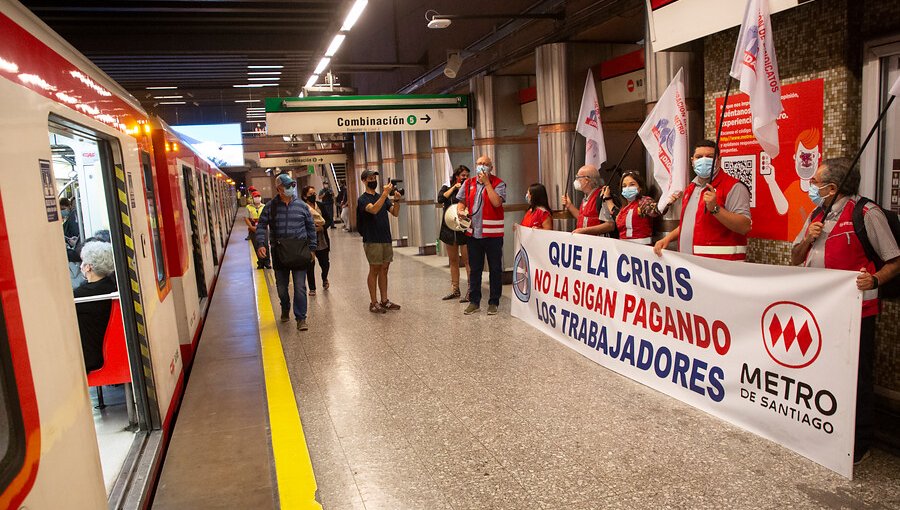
159 261
12 428
190 196
92 164
204 182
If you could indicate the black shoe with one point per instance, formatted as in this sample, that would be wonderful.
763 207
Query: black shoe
285 315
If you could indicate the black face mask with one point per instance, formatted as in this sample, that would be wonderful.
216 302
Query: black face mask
311 198
372 185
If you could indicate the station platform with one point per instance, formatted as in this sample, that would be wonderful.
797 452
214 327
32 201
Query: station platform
425 408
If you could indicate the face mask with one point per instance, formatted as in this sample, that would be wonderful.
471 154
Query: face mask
577 184
257 200
815 197
291 192
630 192
65 213
703 167
372 185
483 169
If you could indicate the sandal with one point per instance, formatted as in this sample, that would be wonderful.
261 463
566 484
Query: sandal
376 308
465 299
453 295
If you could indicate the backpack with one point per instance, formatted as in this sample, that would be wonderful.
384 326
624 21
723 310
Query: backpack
889 289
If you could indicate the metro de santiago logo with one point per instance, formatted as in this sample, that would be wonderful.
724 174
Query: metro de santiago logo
791 334
522 276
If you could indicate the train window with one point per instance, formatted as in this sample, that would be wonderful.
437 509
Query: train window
158 259
12 428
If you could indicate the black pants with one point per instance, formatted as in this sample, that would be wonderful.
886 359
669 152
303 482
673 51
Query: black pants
865 386
324 263
478 248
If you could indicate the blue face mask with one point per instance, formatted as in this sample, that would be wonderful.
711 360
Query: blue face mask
291 192
483 169
65 213
703 167
815 196
630 192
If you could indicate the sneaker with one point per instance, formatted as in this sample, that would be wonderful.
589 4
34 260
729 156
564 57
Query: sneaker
285 315
472 308
312 292
389 305
860 456
376 308
453 295
465 299
301 325
492 309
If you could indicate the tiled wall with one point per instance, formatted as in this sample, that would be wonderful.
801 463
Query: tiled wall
822 39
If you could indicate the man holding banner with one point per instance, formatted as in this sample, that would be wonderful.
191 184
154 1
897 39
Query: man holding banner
715 211
593 218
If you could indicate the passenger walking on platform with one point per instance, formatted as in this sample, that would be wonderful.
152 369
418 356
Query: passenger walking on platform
326 201
538 213
344 204
322 245
715 211
254 209
98 267
454 242
375 226
286 217
481 198
593 218
634 220
832 243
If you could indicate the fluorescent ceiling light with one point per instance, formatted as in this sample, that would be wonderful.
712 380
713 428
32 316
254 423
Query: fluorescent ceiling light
167 97
322 65
161 88
354 14
248 85
172 102
335 44
267 78
264 72
248 100
264 67
312 80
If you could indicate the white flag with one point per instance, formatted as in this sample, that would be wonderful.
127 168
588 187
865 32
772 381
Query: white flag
895 88
754 64
665 135
448 166
588 124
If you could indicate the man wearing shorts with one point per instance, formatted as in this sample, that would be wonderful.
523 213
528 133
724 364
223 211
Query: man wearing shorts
375 228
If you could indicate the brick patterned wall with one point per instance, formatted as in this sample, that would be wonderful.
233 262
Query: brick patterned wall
822 39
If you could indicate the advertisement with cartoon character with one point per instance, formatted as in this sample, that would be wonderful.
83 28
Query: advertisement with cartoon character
779 203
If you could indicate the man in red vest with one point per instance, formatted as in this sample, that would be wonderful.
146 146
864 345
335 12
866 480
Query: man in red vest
715 211
832 243
481 198
592 218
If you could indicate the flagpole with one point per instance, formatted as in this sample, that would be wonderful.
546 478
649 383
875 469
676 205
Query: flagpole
722 119
571 162
618 167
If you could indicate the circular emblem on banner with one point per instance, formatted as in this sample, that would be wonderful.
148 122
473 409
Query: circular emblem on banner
791 334
630 85
521 277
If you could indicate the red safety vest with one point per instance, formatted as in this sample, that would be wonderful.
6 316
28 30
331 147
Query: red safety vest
491 217
534 218
711 238
632 226
587 214
843 250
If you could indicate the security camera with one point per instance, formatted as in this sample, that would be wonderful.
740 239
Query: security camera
454 62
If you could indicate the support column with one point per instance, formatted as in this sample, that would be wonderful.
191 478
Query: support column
419 181
393 169
556 126
353 176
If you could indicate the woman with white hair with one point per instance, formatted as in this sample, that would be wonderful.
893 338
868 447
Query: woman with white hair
98 267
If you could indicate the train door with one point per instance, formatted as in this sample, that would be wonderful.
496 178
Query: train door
204 182
107 301
196 248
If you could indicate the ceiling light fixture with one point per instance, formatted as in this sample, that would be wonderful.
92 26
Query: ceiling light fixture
335 45
267 78
263 72
167 97
354 14
322 65
265 67
248 85
161 88
438 21
312 80
248 100
172 102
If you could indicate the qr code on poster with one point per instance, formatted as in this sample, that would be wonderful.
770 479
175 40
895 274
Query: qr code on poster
743 168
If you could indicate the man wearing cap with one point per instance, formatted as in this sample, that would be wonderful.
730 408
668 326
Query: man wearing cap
481 198
292 220
254 209
375 227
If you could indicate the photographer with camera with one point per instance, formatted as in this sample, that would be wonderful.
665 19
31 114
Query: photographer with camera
375 227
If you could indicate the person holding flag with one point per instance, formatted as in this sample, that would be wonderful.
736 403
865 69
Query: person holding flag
593 218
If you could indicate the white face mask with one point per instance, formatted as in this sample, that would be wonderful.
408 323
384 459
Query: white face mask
257 200
577 184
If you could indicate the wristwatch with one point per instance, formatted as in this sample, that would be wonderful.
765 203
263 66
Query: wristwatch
874 282
715 210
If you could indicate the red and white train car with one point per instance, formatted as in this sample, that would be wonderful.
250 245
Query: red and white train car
66 129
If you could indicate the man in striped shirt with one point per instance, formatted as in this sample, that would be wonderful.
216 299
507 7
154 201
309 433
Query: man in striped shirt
292 220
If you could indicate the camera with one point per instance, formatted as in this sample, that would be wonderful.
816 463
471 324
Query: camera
397 188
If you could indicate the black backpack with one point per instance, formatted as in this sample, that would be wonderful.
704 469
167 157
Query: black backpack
890 289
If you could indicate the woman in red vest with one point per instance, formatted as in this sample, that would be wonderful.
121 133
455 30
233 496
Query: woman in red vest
635 219
538 213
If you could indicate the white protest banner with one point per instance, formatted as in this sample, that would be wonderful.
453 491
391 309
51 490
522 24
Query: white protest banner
664 135
589 124
772 349
755 65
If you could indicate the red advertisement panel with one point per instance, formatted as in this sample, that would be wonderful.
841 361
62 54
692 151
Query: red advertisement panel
778 186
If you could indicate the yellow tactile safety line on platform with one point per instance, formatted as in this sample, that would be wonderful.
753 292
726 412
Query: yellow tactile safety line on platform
293 467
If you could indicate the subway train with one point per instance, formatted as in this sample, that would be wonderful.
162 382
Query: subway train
70 438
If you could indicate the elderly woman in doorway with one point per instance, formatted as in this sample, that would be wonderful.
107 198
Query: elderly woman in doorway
98 267
454 242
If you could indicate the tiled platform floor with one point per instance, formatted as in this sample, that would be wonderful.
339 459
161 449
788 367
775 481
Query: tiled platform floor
426 408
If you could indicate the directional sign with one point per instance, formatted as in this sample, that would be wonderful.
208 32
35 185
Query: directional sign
355 114
321 159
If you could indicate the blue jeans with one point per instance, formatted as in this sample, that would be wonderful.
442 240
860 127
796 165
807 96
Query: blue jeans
282 279
478 248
